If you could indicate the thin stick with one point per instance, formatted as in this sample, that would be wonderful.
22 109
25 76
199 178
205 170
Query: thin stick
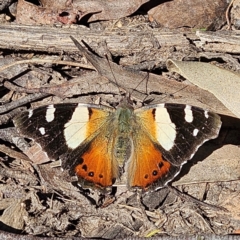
194 200
60 62
227 14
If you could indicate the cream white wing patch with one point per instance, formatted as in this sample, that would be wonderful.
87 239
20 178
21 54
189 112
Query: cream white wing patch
75 130
166 129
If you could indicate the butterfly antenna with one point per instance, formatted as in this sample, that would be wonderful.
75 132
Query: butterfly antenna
171 94
145 77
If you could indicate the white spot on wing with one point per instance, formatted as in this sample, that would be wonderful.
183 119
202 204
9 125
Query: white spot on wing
166 129
195 132
188 113
75 129
206 114
30 113
42 130
50 113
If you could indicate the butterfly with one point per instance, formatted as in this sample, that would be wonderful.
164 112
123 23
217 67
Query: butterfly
144 148
100 144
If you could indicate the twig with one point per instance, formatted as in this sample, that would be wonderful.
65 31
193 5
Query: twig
32 97
12 153
76 64
5 118
194 200
227 14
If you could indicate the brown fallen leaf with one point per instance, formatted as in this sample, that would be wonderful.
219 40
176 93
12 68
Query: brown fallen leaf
68 12
28 13
189 13
107 9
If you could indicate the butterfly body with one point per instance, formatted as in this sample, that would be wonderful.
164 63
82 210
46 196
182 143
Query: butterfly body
101 144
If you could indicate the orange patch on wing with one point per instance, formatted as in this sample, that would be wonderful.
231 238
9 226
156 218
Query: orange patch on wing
97 118
147 119
147 164
97 165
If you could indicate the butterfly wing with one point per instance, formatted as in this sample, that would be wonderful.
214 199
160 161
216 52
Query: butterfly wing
168 136
77 134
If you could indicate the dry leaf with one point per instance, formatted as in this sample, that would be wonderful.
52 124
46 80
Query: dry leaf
193 13
224 84
28 13
13 215
107 9
68 13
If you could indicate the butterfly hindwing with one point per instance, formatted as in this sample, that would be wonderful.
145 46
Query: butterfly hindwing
93 162
147 165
